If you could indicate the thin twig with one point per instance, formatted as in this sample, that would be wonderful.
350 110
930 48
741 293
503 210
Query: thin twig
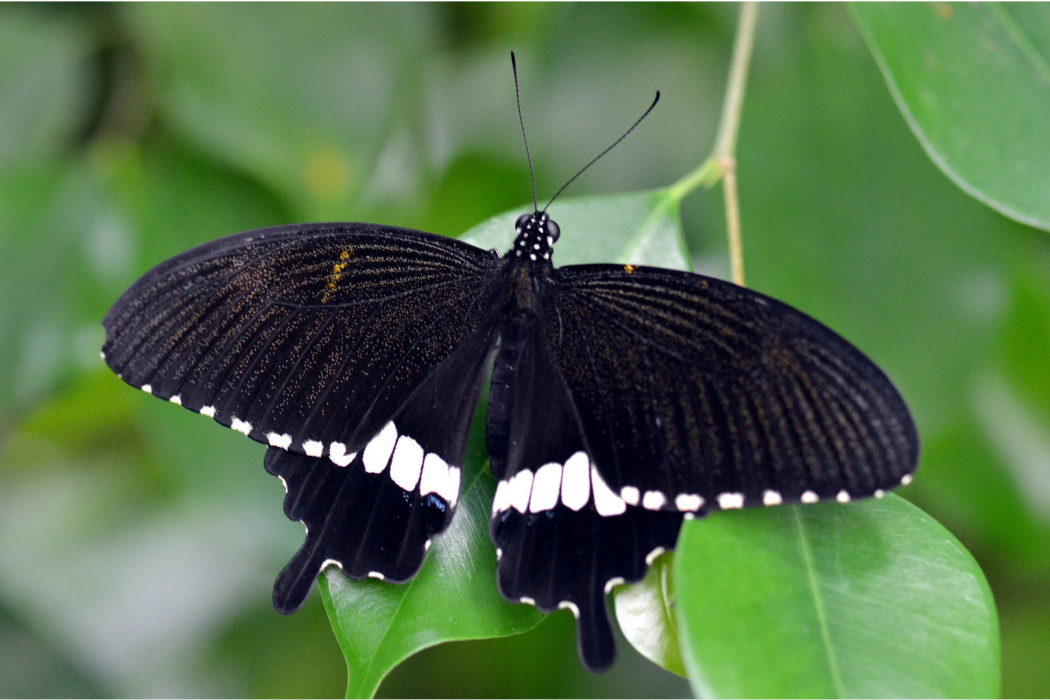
729 126
721 164
725 145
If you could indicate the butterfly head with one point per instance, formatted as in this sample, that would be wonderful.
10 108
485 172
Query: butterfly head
537 233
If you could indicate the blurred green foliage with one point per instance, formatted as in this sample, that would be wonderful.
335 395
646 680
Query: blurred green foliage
138 543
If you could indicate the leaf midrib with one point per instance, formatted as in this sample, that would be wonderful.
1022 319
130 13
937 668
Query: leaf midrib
818 603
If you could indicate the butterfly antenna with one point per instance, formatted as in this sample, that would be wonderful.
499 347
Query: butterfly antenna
521 120
598 157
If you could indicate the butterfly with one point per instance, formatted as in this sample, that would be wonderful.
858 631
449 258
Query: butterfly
622 399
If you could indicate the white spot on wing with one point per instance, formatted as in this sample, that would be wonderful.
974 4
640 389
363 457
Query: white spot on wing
569 605
282 441
526 600
501 501
435 475
283 483
575 481
726 501
377 452
771 498
241 426
651 556
879 493
337 453
606 502
208 411
331 562
630 495
148 388
520 489
407 463
451 492
906 479
176 399
688 502
809 497
545 488
653 500
613 583
313 448
376 575
842 497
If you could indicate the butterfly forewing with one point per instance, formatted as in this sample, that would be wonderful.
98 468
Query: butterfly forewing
698 392
302 337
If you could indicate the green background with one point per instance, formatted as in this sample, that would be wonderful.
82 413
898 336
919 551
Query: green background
138 543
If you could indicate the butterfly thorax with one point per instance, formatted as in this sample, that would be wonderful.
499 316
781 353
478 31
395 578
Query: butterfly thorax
529 263
537 233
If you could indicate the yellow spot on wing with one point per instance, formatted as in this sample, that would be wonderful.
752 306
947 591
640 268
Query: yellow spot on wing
337 272
629 268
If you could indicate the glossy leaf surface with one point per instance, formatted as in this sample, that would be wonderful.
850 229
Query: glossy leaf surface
973 82
870 599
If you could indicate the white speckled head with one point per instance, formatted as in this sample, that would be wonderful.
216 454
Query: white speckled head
537 233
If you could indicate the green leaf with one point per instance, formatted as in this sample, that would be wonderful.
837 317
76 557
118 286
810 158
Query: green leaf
973 82
870 599
640 227
454 596
646 615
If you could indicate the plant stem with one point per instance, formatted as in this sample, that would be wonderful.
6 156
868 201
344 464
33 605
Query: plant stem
729 126
725 145
721 164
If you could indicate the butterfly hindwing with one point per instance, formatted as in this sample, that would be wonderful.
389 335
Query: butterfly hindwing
374 513
699 393
564 538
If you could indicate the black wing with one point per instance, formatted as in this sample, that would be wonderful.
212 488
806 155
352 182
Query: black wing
376 516
563 538
355 351
698 393
643 396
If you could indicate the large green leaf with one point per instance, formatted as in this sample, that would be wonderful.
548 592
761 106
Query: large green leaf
973 82
454 596
871 599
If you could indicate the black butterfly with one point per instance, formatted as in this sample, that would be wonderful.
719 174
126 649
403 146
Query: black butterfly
622 399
